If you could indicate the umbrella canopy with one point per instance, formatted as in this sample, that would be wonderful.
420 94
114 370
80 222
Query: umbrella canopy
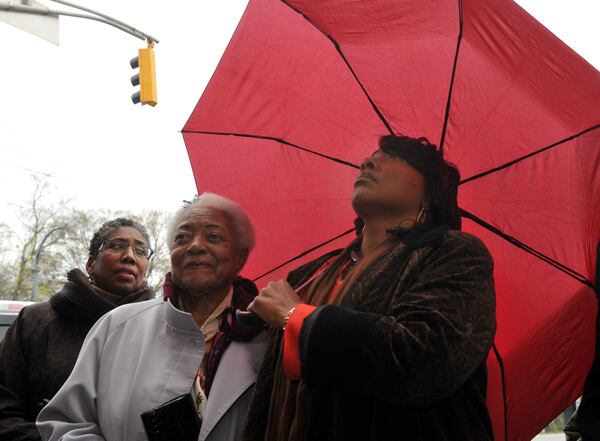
303 92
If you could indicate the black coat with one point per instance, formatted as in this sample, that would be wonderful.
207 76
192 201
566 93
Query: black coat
588 414
403 357
39 351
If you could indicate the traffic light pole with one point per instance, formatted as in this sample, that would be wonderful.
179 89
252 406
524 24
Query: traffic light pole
24 8
146 78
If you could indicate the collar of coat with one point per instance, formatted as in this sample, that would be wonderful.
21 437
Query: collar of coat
79 298
244 291
420 235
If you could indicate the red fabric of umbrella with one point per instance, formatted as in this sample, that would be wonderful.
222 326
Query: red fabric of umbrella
305 89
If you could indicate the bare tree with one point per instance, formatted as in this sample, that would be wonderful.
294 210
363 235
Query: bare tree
38 217
43 213
81 226
156 224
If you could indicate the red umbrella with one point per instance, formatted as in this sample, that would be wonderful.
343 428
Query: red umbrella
305 89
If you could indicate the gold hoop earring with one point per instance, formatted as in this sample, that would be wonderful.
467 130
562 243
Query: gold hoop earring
421 216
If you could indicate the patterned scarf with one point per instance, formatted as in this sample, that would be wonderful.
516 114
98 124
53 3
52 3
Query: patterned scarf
230 329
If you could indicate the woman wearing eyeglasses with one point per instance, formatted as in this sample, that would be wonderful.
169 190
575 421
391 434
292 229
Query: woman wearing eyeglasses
41 346
177 368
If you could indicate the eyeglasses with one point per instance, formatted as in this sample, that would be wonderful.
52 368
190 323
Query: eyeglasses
118 246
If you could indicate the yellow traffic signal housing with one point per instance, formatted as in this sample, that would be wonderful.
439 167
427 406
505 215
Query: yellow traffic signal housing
146 78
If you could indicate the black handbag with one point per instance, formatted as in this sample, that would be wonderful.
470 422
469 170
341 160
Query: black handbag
175 420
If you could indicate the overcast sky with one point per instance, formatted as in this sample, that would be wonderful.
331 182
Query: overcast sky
65 111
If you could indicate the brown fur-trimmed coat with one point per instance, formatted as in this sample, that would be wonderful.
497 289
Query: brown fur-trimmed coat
403 357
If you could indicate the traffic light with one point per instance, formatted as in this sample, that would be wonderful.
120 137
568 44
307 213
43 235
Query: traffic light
146 77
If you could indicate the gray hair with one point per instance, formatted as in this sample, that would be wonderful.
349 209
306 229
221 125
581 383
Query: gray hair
242 227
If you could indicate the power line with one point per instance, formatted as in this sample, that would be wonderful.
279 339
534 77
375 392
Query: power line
11 148
12 203
48 175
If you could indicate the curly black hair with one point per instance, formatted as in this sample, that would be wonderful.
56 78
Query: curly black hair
441 176
108 227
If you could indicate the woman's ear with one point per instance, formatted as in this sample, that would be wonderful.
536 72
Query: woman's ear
89 267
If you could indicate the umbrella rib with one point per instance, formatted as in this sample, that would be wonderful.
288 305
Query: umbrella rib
272 138
516 242
304 253
449 100
348 65
529 155
503 380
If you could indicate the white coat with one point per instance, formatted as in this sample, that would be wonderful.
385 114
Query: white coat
137 357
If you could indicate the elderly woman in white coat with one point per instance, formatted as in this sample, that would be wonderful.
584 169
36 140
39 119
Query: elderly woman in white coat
186 345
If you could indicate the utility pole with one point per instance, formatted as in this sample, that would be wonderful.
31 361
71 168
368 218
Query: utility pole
36 267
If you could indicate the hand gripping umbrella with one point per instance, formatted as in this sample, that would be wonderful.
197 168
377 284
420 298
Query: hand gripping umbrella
303 92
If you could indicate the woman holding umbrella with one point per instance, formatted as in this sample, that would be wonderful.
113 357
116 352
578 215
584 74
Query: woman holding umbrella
388 338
